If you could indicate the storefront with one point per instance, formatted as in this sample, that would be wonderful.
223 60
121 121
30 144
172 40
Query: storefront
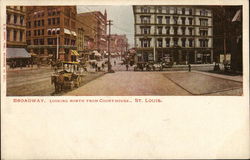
18 57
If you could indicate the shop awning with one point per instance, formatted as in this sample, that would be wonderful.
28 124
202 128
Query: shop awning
237 16
74 52
96 53
66 31
73 33
17 53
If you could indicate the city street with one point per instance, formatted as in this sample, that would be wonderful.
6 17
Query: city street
159 84
36 82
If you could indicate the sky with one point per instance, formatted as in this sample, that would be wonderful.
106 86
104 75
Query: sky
122 17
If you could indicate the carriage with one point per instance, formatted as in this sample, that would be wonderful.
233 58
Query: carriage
70 75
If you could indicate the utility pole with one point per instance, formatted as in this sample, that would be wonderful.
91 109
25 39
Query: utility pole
57 46
109 64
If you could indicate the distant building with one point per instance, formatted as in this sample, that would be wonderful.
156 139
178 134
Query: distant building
118 43
184 33
94 25
47 25
16 35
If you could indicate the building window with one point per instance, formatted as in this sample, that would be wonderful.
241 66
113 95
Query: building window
203 22
42 22
203 12
49 32
190 31
38 23
183 19
167 42
145 43
35 41
145 19
66 22
58 21
190 42
167 30
8 18
38 32
21 36
34 23
15 34
21 8
159 9
8 35
175 10
145 30
175 30
73 25
21 20
159 18
42 31
183 29
167 10
28 42
167 20
183 11
203 32
145 9
159 30
53 21
183 42
41 41
50 41
15 19
175 20
73 42
49 21
190 11
34 32
29 24
159 42
58 31
203 42
175 42
190 21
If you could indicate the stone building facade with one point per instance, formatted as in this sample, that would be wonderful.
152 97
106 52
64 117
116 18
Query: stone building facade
16 26
48 26
184 33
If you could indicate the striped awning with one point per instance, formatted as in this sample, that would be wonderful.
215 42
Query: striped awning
17 53
74 52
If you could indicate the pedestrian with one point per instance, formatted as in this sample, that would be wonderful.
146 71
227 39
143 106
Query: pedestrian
103 66
189 67
127 67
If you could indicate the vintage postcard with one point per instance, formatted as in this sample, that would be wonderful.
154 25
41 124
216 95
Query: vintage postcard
124 79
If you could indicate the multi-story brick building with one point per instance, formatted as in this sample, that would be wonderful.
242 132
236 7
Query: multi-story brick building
118 43
95 30
47 25
184 33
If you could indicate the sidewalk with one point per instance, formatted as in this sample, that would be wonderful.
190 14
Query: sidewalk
238 78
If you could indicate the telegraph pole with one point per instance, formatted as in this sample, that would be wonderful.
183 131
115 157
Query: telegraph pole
109 64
